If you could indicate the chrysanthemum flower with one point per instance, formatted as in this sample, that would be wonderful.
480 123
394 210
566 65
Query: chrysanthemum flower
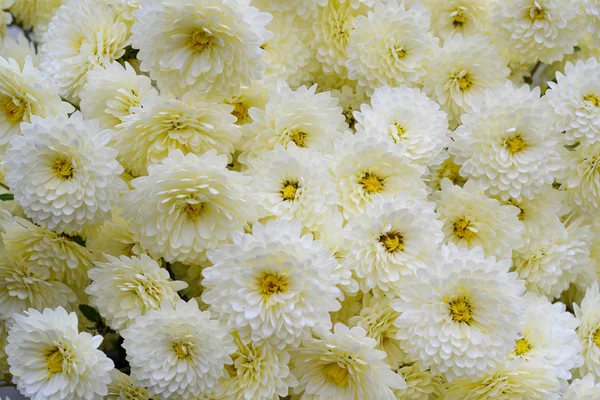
460 72
35 13
177 352
364 167
532 30
24 285
448 169
464 17
420 384
508 145
160 125
460 316
63 173
343 365
121 387
575 99
472 219
547 332
125 288
114 238
588 313
255 95
186 205
24 93
125 9
406 115
258 373
273 285
390 46
294 184
583 389
580 178
208 46
308 119
50 359
304 9
111 91
392 238
19 48
81 35
515 380
351 98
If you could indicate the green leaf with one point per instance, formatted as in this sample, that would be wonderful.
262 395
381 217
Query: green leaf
576 48
7 197
90 313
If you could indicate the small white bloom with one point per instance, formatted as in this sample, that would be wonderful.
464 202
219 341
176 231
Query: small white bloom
420 384
465 17
583 389
121 387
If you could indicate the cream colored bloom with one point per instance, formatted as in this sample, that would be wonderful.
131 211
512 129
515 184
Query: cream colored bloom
588 313
187 205
19 48
304 9
464 17
50 359
210 47
583 389
35 13
121 387
177 352
343 365
82 34
111 91
160 125
125 288
114 238
420 384
581 179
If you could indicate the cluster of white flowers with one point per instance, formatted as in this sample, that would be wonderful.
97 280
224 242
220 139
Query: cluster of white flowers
300 199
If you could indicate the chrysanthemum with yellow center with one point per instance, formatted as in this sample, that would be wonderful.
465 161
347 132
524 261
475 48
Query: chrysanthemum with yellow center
392 241
515 143
299 138
240 111
536 13
289 189
463 80
336 374
63 168
183 350
596 337
522 347
194 209
55 359
461 310
271 283
199 40
463 229
14 110
458 18
592 98
371 183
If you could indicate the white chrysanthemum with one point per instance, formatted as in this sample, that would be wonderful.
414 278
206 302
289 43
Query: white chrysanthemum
583 389
332 29
461 72
24 92
125 288
121 387
392 238
581 179
24 285
301 116
575 99
460 316
63 173
294 184
532 30
465 17
208 46
508 145
448 169
125 8
547 332
177 352
186 205
50 359
351 98
114 238
343 365
472 219
287 52
257 373
588 313
420 384
251 96
160 125
516 380
69 261
305 9
406 115
364 167
18 48
553 258
377 318
390 46
35 13
111 91
81 35
273 285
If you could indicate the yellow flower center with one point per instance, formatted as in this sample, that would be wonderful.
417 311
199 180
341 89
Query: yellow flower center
463 229
522 347
272 283
299 138
400 52
515 144
63 168
183 349
54 361
537 13
596 337
336 375
289 190
463 80
200 40
14 112
194 210
240 111
592 99
392 241
396 131
371 183
461 310
459 18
